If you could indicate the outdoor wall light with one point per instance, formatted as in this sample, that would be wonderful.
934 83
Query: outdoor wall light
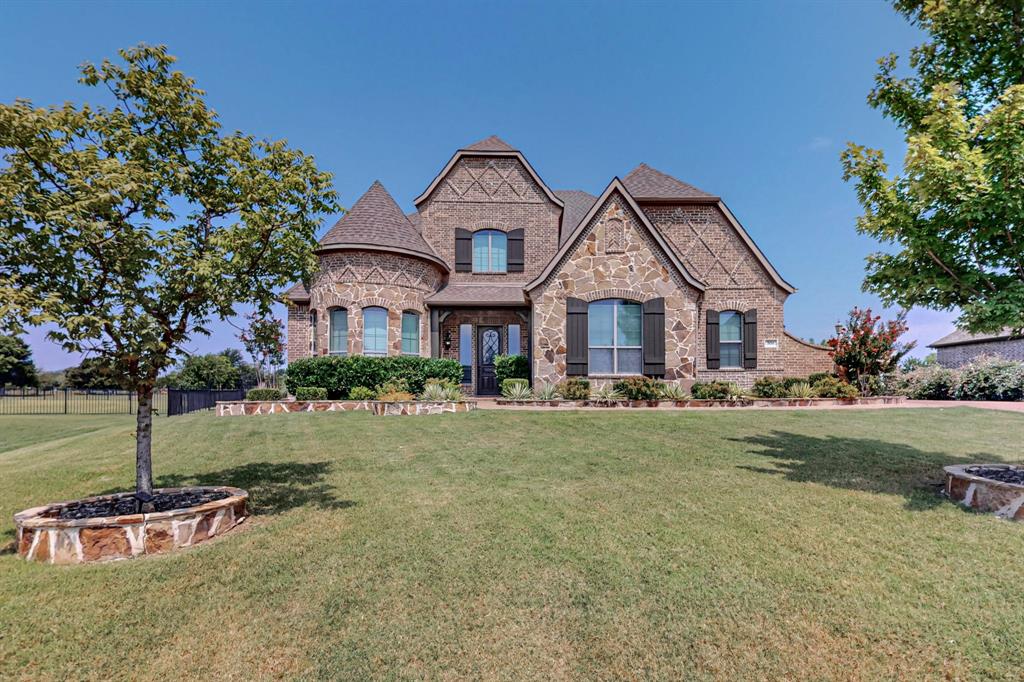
448 340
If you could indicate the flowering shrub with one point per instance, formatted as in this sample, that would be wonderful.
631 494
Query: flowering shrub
930 382
991 378
867 347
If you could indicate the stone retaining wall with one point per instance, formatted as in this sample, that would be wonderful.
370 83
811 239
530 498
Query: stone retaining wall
1006 500
745 402
246 407
44 537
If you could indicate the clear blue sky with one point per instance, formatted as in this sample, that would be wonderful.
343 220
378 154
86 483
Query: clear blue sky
750 101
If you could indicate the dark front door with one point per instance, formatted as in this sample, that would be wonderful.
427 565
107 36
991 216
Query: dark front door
489 346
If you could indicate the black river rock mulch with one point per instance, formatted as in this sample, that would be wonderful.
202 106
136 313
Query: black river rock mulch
998 474
125 506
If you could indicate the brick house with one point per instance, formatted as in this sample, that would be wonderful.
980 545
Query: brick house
653 277
959 347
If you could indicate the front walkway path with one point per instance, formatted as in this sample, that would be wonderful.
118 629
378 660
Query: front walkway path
492 404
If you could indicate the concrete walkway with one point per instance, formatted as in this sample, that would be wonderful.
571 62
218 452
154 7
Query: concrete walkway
492 404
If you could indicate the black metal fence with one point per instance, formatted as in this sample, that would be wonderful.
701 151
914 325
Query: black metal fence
73 401
182 401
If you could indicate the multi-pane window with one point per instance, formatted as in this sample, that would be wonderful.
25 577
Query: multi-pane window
312 332
614 337
490 251
339 331
375 331
730 336
513 339
410 333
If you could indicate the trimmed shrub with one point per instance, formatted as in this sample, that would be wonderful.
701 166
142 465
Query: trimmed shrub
991 378
311 393
516 389
770 387
263 394
831 387
639 388
509 385
339 375
818 376
574 389
511 367
714 390
928 382
362 393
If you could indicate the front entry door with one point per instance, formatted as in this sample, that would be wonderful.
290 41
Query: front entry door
489 346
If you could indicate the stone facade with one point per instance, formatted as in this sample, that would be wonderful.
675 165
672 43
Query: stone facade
243 408
711 265
635 269
956 356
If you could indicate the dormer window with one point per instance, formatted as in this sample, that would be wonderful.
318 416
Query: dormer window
490 251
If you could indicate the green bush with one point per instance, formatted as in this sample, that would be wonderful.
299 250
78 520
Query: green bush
263 394
801 389
714 390
511 367
311 393
770 387
928 382
673 392
818 376
639 388
508 384
574 389
362 393
339 375
991 378
829 386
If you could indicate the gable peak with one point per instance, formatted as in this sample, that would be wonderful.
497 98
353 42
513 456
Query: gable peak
646 182
492 143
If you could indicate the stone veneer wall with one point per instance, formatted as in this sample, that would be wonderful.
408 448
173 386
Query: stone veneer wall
491 193
955 356
629 265
358 279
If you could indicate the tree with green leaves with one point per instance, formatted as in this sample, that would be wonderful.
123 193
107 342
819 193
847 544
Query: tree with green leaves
16 366
866 347
132 224
211 371
93 373
954 216
263 339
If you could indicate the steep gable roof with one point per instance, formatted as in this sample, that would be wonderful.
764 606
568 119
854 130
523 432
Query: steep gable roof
577 203
616 186
376 222
644 182
491 144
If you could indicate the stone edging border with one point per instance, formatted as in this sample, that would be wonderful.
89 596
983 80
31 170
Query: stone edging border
238 408
744 402
1006 500
51 540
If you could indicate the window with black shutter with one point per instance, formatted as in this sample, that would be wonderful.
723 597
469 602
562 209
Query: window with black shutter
463 250
712 343
750 339
575 337
654 337
516 254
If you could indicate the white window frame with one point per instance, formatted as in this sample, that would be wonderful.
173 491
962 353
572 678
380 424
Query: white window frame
312 331
615 347
411 313
376 354
721 343
330 331
490 251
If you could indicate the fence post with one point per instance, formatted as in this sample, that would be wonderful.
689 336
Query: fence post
65 400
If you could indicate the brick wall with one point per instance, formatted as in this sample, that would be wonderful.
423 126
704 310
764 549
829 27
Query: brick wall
499 317
955 356
801 358
491 193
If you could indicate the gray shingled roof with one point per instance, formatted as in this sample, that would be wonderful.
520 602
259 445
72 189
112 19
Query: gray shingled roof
960 337
577 203
297 293
493 294
491 144
644 182
376 220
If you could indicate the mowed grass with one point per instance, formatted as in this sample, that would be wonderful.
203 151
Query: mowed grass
532 545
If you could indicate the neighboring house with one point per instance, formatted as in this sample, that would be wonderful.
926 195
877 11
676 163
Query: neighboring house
959 348
653 277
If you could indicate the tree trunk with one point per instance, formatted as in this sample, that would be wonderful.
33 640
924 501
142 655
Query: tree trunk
144 448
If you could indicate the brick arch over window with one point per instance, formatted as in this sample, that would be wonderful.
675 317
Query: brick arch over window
627 294
501 225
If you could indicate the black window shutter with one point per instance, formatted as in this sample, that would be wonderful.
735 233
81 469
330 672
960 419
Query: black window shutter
516 255
576 329
713 340
463 250
750 339
654 337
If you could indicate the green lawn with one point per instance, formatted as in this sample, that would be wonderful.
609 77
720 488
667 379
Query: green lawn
705 544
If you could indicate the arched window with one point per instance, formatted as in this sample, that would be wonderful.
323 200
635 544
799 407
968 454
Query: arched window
410 333
339 331
614 337
490 251
375 331
730 335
